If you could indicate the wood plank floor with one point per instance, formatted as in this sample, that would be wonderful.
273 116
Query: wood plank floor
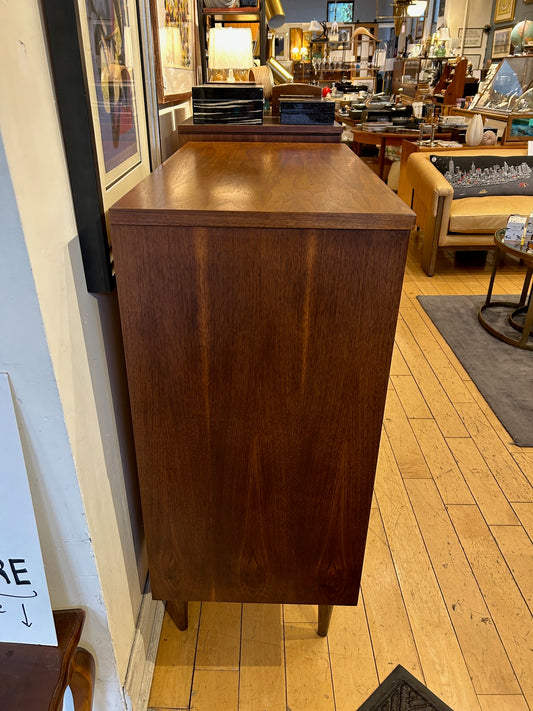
447 587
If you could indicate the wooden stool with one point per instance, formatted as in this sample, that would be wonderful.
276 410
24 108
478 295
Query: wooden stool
35 678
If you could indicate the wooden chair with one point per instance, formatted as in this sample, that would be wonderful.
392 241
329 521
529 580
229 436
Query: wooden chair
35 678
279 90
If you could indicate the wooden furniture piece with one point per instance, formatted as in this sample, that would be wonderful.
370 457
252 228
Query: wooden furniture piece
270 131
294 89
258 287
382 139
451 84
520 313
35 678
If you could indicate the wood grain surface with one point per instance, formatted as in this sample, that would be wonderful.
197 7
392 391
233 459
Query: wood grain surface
270 130
264 185
257 364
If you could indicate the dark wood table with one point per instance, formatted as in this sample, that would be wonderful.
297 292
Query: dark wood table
270 130
259 286
519 313
382 139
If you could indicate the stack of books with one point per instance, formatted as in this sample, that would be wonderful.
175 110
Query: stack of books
519 231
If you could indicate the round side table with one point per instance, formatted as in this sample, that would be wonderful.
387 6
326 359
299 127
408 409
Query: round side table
516 309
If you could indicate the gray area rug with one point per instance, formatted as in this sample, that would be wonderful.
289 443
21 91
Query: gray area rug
502 373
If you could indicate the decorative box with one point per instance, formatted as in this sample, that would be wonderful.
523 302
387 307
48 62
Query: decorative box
238 103
306 111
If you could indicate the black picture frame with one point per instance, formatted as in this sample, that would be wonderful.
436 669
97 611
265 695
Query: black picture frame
64 50
97 66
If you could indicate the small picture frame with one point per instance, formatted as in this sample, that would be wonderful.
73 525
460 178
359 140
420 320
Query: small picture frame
345 33
501 42
504 10
473 36
474 60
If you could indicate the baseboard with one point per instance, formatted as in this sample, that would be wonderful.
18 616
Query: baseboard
143 654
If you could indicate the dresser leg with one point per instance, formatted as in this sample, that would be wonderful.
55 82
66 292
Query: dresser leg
179 613
324 617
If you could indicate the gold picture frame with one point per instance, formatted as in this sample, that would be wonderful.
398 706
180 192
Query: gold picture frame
504 10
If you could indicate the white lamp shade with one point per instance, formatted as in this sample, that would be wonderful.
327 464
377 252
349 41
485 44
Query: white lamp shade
230 48
315 26
444 34
417 8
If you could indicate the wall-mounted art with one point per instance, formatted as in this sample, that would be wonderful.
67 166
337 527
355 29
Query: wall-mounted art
501 42
173 29
504 10
96 63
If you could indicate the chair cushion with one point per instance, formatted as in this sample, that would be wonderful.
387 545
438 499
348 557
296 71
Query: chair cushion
478 215
486 175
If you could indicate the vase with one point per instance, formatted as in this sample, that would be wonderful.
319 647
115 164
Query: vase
474 132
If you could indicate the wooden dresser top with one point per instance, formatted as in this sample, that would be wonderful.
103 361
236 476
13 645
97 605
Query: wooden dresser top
296 185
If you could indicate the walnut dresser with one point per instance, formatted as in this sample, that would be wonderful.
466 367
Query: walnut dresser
259 286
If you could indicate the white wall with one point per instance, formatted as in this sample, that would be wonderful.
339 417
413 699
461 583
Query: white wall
53 338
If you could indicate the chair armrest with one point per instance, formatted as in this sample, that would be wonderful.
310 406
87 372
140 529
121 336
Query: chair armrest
427 182
432 200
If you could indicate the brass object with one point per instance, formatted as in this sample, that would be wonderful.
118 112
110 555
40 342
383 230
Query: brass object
275 14
280 74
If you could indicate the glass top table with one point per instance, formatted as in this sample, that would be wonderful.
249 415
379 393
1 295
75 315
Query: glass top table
520 313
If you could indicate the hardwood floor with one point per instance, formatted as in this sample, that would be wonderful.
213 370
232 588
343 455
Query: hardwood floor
447 589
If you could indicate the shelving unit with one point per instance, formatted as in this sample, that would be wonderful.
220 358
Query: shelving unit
360 52
209 16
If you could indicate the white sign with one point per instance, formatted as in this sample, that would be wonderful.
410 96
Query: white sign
25 610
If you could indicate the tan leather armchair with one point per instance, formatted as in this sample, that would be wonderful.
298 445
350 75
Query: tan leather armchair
467 223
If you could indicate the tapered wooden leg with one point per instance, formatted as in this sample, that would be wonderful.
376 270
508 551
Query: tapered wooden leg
82 680
179 613
324 617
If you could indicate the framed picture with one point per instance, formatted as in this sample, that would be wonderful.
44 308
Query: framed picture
340 11
173 30
345 33
474 60
501 42
473 36
504 10
519 128
96 64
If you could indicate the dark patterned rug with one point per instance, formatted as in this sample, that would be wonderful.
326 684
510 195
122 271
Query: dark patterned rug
502 373
401 691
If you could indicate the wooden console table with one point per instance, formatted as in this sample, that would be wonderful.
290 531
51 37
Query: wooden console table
270 130
258 286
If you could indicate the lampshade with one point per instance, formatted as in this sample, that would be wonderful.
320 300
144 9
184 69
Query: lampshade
230 48
417 8
315 26
444 33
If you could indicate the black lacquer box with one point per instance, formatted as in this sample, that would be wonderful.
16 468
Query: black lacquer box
236 103
307 111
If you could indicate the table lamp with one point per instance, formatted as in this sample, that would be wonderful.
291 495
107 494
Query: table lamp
230 48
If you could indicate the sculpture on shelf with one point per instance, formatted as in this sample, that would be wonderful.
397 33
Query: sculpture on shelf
474 132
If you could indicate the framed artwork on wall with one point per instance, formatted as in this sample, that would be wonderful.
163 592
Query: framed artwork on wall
473 36
96 63
504 10
501 42
474 60
340 11
173 30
